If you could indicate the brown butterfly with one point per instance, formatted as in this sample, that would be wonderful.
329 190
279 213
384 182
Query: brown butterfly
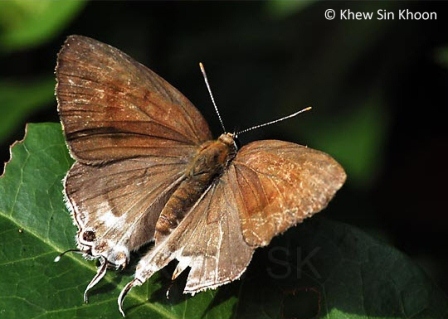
147 170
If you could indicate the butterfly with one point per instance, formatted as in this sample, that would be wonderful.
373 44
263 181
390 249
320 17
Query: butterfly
147 170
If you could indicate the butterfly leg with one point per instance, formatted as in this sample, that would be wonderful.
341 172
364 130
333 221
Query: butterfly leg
99 275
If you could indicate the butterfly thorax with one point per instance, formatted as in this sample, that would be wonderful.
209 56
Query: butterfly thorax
207 165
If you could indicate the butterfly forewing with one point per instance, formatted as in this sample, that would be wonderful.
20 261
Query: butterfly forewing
277 184
113 107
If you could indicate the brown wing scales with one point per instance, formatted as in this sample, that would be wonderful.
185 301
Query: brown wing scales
132 135
215 251
278 184
109 103
145 169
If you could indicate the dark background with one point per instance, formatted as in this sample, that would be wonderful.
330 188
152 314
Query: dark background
378 91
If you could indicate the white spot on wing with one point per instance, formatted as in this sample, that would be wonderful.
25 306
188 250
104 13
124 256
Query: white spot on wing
107 217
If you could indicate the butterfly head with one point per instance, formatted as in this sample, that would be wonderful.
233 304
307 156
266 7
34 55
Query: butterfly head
232 142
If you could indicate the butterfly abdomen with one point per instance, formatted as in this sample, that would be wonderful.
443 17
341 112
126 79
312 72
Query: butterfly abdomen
207 165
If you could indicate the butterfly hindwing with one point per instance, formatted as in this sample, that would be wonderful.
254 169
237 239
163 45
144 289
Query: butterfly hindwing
208 240
107 202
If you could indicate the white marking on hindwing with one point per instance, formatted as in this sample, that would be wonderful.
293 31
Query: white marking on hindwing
109 220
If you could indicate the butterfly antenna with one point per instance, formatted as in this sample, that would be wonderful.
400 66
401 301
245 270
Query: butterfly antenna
211 95
58 257
274 121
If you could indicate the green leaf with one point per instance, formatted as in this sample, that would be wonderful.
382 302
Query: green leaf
336 271
28 23
318 269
